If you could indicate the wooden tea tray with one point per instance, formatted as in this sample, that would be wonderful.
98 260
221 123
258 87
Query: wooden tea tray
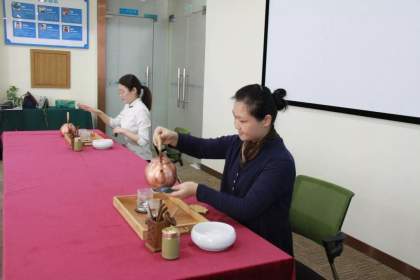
88 142
94 136
184 216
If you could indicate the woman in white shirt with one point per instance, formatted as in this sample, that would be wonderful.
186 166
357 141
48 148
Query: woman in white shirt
133 122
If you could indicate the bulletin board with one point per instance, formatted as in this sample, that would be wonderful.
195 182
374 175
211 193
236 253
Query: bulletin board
51 23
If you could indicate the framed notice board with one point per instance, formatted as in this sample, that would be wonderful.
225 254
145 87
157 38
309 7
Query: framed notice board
54 23
50 69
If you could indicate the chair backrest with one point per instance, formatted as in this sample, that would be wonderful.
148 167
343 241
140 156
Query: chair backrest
182 130
173 154
318 208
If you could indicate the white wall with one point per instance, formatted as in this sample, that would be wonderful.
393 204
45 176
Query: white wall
378 160
15 68
233 59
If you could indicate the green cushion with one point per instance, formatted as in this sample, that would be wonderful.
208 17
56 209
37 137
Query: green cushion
67 104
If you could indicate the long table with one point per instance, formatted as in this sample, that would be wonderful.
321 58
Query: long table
40 119
59 221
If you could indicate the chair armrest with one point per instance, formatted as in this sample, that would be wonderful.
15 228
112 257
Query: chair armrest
334 246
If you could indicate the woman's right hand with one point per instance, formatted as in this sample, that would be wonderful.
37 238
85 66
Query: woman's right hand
88 108
164 136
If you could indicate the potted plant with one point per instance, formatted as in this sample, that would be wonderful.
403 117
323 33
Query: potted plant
13 97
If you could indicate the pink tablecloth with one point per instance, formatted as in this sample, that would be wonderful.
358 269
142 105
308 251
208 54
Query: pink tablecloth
59 221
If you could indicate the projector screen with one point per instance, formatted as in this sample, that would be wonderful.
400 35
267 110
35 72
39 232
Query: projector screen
353 56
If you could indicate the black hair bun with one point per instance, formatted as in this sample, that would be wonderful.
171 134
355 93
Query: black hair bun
279 95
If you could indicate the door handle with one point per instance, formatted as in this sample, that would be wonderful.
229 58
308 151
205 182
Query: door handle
184 79
178 89
147 77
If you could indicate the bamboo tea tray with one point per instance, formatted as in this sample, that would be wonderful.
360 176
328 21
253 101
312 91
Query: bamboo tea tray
185 217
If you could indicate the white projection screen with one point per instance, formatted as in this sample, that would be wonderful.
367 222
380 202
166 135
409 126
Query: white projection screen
352 56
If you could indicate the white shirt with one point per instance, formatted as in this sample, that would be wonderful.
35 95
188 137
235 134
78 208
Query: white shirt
135 117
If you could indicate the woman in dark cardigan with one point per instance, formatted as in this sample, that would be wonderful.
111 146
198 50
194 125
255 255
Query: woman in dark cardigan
259 172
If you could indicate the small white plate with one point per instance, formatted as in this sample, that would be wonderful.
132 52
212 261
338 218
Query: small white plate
102 144
213 236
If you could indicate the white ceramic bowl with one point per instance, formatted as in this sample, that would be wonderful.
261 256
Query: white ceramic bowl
102 143
213 236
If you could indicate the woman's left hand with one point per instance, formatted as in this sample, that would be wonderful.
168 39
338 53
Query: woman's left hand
119 130
88 108
184 190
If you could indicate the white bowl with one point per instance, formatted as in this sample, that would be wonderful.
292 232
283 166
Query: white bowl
102 143
213 236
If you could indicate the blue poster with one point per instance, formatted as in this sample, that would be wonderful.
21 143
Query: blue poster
129 12
69 15
48 31
48 13
23 10
24 29
71 32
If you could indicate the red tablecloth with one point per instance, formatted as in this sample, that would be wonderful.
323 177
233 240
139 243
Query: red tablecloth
59 221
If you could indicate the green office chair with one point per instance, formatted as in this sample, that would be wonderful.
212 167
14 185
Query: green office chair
317 212
173 154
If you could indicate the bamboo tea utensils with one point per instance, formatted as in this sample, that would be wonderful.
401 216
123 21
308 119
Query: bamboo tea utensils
155 224
162 215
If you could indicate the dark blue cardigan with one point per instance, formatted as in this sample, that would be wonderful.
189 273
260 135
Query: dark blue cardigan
257 195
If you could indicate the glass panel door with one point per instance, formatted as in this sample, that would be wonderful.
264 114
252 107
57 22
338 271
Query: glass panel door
194 89
129 51
187 33
178 41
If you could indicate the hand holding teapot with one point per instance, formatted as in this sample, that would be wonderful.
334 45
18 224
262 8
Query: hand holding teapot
164 136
